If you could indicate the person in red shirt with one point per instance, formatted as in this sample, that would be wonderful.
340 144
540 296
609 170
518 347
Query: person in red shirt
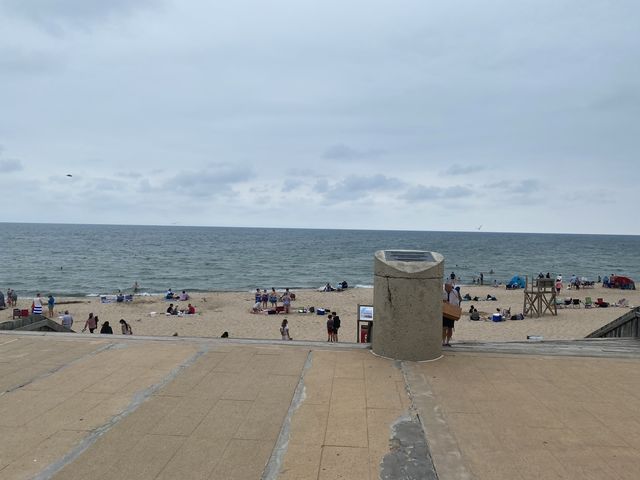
191 309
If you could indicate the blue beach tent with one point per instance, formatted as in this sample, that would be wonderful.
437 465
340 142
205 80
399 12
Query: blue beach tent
516 282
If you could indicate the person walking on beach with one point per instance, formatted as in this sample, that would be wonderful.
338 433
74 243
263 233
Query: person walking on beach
67 320
91 323
558 285
452 296
126 328
50 304
284 330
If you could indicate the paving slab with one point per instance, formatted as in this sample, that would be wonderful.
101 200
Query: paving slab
145 408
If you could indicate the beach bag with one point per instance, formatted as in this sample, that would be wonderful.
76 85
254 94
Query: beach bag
451 312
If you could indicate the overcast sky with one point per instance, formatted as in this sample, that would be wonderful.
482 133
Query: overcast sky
416 115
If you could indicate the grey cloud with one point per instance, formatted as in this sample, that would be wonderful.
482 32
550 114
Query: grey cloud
522 187
290 185
209 183
345 152
355 187
10 165
457 169
422 193
54 16
321 186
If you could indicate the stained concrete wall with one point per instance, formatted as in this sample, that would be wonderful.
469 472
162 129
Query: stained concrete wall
407 300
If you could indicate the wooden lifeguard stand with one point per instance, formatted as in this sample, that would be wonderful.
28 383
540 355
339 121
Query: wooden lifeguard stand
540 297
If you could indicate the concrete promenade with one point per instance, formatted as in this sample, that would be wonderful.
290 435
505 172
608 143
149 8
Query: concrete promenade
110 407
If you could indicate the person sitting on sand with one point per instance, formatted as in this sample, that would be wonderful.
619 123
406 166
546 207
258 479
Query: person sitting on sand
191 310
257 307
106 328
328 288
169 295
184 296
126 328
170 309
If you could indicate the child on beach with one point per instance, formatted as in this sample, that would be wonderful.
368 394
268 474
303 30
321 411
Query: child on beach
284 330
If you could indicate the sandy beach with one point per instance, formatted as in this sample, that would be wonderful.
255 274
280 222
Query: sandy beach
218 312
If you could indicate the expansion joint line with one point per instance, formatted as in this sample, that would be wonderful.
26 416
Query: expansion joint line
444 452
272 469
138 399
58 368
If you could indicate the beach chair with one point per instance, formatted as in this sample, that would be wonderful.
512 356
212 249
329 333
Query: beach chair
575 303
588 303
16 313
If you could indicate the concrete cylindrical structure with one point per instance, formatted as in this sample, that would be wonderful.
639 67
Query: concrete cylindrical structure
407 301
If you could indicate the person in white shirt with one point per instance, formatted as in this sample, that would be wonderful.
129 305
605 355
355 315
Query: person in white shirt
450 295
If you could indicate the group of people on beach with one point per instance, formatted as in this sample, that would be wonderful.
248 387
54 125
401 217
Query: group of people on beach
174 310
183 296
268 301
11 300
91 324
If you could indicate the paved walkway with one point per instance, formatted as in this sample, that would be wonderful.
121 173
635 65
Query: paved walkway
112 407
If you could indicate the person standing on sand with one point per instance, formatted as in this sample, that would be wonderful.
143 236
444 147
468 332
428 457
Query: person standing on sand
264 299
36 308
452 296
273 298
330 328
336 326
51 303
284 330
286 301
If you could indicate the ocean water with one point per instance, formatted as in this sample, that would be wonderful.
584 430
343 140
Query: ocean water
98 259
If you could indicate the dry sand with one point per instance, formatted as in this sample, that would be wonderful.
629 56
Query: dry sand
229 311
